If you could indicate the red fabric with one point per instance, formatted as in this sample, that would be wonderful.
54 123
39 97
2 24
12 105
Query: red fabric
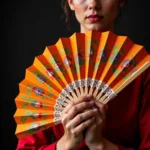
127 122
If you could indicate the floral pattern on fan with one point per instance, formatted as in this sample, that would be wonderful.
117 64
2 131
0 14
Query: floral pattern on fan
97 63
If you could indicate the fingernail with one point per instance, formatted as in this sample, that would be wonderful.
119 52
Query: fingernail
106 107
89 96
93 118
91 102
95 110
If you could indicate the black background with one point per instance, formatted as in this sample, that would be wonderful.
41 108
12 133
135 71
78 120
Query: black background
30 25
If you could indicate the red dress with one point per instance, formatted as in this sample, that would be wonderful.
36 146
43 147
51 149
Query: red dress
127 122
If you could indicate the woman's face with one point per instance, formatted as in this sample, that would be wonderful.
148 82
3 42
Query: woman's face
95 14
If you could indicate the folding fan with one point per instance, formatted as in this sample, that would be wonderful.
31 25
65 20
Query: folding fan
99 63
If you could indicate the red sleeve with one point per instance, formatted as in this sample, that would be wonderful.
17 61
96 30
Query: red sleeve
144 118
144 122
124 148
39 141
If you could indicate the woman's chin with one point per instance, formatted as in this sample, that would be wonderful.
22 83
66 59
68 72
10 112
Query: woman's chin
96 27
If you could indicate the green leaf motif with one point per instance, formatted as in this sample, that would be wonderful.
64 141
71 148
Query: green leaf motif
23 96
67 51
96 66
23 119
42 97
92 48
52 61
116 72
95 41
88 42
28 92
126 77
115 49
30 85
50 95
55 56
45 117
44 127
74 69
122 50
30 114
24 105
61 51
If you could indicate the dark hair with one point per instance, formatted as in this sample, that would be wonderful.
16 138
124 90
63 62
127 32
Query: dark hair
69 16
66 9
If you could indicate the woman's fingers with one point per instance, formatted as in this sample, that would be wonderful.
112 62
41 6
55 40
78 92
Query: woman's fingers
81 117
102 109
79 108
100 117
77 101
81 127
76 109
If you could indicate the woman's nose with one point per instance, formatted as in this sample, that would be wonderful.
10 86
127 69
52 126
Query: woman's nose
94 4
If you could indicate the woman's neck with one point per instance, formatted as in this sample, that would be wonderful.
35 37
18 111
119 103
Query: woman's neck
108 28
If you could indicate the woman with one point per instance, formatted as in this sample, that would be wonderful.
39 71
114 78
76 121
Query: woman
86 124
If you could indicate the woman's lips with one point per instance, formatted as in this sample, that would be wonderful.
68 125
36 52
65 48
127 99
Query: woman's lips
94 18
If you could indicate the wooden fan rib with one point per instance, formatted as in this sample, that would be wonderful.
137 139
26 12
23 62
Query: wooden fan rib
141 67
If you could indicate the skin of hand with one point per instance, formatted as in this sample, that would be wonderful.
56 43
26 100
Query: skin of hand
93 134
75 120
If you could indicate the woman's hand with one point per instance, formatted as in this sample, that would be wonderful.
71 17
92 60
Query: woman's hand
93 134
75 120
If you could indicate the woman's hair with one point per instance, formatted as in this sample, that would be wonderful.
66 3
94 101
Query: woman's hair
66 9
69 16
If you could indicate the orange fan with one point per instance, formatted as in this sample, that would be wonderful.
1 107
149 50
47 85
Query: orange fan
99 63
